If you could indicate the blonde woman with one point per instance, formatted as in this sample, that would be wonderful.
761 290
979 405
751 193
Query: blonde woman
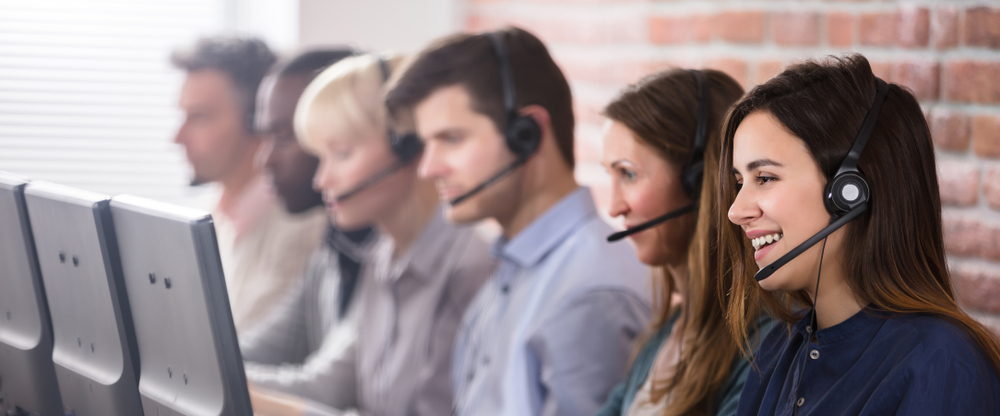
423 272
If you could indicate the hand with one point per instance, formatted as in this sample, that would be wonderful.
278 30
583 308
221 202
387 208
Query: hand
271 403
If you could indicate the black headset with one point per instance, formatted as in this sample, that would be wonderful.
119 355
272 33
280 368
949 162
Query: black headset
406 147
694 170
521 133
846 195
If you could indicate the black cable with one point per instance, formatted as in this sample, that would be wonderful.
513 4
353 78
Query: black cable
810 330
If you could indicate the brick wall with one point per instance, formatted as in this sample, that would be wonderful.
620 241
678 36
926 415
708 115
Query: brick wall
946 52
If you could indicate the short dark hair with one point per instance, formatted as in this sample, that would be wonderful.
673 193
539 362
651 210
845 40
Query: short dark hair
244 60
311 62
470 61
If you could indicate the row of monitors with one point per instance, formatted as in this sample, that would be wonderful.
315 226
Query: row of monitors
112 306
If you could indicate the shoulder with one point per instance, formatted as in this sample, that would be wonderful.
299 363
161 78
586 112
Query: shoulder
586 260
932 338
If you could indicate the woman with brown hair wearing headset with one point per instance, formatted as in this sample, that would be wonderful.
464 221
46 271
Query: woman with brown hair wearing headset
831 184
662 134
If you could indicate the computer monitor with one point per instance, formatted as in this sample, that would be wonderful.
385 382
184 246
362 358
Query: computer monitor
27 376
190 357
94 348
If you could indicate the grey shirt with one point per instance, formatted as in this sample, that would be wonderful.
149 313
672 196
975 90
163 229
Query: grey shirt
407 313
299 348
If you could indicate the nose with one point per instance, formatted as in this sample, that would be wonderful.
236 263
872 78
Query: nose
179 137
323 177
745 208
431 164
264 157
617 205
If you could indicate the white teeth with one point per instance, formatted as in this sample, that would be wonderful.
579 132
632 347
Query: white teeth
765 240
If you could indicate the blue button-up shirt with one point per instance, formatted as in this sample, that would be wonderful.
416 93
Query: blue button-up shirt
873 363
552 331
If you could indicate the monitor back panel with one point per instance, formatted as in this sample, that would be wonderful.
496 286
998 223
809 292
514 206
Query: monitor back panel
93 344
190 357
27 375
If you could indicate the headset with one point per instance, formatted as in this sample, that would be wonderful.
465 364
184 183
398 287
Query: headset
521 133
406 148
846 195
694 170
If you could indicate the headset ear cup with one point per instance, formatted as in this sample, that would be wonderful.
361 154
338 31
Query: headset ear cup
845 192
523 135
406 147
692 178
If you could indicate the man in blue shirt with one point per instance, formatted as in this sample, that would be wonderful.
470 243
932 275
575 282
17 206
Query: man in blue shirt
552 330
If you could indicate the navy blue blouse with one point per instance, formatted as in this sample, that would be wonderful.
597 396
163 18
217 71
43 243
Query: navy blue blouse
873 363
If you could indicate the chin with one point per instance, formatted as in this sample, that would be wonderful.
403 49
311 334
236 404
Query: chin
462 214
776 282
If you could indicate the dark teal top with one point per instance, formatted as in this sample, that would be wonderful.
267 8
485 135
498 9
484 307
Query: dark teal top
621 397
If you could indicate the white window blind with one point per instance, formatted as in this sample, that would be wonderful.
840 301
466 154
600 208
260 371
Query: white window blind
88 97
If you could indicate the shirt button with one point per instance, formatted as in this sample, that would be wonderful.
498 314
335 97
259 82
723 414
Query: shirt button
505 289
814 354
486 361
470 376
809 329
800 401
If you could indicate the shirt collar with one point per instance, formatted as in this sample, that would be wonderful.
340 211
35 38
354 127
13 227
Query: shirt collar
425 255
867 318
547 231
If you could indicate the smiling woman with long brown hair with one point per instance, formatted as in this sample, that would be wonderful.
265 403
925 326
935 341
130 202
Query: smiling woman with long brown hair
874 328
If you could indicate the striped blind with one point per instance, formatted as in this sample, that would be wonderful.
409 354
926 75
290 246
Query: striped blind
88 95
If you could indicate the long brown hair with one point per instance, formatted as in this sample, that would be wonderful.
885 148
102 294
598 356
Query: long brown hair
660 110
894 252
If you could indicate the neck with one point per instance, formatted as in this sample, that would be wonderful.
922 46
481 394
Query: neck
679 274
404 222
538 193
236 182
836 301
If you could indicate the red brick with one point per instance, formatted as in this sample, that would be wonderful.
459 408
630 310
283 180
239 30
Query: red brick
735 68
680 29
795 28
949 129
840 29
767 70
944 28
986 135
972 81
606 71
878 29
914 26
882 70
919 77
991 185
962 235
982 27
587 148
740 27
958 182
977 286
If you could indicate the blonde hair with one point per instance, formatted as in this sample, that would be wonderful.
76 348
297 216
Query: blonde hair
345 99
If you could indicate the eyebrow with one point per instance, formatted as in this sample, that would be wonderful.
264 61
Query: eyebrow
618 162
762 162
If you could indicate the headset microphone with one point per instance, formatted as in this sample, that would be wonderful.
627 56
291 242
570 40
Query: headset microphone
691 177
846 195
652 223
405 147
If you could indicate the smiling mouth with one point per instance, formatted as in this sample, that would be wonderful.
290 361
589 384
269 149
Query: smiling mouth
764 241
